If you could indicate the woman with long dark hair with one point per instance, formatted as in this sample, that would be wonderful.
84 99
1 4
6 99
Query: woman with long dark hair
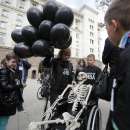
10 98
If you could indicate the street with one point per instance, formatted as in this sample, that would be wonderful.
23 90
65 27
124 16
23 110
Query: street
33 109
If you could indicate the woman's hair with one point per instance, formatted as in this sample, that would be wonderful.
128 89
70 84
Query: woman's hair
120 11
10 56
81 60
3 62
64 52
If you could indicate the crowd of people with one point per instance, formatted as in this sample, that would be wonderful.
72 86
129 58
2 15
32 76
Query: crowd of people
116 54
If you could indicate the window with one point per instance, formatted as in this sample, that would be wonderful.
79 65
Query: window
19 18
34 3
91 41
77 45
91 34
2 37
90 20
3 24
77 52
77 23
77 42
21 4
4 13
8 2
91 27
77 35
91 50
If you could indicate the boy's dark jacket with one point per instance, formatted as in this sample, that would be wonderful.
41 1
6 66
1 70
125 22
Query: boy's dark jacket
62 74
122 104
92 73
8 90
110 56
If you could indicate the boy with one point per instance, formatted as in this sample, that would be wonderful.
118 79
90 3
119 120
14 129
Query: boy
92 72
117 21
91 69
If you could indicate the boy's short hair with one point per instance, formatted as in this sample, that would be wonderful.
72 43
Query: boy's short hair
119 10
91 56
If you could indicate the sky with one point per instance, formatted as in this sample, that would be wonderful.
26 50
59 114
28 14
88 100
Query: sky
76 4
79 3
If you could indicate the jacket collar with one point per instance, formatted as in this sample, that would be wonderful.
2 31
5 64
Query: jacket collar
125 41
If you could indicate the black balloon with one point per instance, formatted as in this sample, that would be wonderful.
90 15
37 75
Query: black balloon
34 16
44 29
49 10
63 45
22 50
64 15
17 35
30 34
60 33
42 48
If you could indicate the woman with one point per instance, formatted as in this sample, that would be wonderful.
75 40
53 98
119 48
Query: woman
9 90
80 67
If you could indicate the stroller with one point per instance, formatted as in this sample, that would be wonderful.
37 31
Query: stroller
80 112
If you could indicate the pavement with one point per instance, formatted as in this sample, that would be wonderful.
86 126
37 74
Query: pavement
33 109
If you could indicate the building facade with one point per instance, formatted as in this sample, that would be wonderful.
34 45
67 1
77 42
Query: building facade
84 30
13 15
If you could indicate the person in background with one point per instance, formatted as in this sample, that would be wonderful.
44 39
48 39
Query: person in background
3 63
117 22
10 98
22 70
23 67
92 72
40 69
91 69
81 64
62 74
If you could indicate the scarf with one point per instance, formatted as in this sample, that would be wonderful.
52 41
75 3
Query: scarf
125 40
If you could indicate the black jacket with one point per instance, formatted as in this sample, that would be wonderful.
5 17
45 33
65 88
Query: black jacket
110 56
122 104
9 92
23 67
92 74
62 75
